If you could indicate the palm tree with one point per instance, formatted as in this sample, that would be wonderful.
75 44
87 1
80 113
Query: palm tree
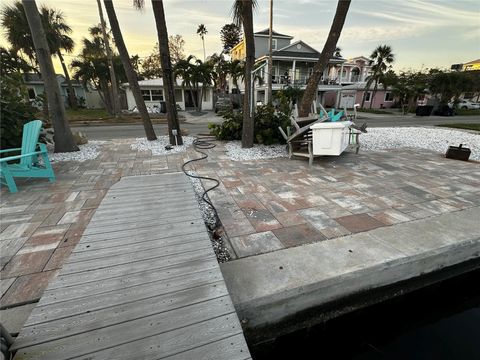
57 32
63 138
327 53
202 31
243 15
129 71
114 83
381 58
236 71
167 71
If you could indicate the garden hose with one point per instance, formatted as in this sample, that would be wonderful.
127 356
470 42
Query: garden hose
199 144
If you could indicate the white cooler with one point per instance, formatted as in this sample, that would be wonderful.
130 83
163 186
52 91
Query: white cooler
330 138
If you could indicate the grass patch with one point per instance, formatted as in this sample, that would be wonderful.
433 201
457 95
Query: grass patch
462 126
375 111
467 112
87 114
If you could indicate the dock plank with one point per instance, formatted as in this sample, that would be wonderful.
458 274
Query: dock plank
138 287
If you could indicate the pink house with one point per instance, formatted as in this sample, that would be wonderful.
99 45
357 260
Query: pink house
354 93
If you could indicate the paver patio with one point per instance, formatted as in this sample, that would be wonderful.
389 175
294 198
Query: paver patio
264 205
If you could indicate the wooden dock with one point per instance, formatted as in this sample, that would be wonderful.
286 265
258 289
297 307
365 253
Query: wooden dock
142 283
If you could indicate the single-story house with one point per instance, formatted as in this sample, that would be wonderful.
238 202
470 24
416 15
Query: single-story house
153 94
86 97
354 93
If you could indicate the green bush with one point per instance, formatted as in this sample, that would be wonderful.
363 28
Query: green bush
15 111
266 124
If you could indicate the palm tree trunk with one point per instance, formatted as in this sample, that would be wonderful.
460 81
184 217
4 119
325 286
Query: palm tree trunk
325 56
204 53
72 99
248 117
373 94
63 138
166 65
113 77
129 71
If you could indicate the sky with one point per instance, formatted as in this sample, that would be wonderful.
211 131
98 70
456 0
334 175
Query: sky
422 33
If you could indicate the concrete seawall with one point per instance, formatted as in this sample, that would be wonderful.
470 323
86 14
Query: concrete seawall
272 288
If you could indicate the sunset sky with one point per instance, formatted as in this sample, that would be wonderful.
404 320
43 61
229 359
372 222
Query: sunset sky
423 34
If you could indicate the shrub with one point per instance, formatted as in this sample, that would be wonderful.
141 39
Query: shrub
15 111
266 124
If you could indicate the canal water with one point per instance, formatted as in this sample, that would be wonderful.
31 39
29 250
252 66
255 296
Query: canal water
438 322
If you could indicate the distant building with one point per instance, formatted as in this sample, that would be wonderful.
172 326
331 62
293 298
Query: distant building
87 97
153 94
472 65
293 65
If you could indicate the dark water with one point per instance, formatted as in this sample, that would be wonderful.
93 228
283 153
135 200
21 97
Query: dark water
439 322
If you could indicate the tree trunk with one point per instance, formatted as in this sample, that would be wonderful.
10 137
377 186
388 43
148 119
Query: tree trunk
113 77
167 73
248 116
373 94
200 100
325 56
270 61
63 138
129 71
72 100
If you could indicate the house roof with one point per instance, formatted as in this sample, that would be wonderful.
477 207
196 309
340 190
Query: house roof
265 32
472 62
36 78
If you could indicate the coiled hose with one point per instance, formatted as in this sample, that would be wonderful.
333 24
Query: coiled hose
204 143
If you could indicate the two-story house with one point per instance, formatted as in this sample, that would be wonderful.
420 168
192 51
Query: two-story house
293 64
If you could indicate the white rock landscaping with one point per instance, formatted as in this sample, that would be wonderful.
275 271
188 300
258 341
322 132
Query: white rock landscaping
87 151
433 139
157 147
235 152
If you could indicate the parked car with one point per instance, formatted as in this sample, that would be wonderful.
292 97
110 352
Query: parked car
224 103
467 104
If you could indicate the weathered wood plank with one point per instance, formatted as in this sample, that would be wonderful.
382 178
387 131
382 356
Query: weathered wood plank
142 283
112 247
105 285
170 229
120 296
162 254
65 280
77 324
108 227
231 348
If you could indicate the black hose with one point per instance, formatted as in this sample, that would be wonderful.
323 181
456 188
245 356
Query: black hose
203 143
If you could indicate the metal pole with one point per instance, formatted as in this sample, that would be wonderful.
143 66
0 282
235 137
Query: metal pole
268 94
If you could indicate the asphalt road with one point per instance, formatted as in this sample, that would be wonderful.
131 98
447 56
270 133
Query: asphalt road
107 132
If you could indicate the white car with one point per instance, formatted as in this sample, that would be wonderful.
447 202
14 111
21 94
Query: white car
467 104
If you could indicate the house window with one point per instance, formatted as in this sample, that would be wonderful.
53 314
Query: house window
388 96
368 96
157 95
152 95
274 44
146 95
68 91
178 95
31 94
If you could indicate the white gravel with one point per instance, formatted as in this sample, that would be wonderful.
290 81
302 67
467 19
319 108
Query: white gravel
236 153
434 139
88 151
157 147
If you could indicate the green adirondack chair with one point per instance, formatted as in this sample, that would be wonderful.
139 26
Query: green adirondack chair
28 166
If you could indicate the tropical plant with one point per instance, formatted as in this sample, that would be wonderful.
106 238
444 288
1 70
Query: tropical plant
167 73
196 75
230 34
91 67
267 122
236 71
129 71
327 53
243 16
12 62
220 71
202 31
449 86
57 32
63 138
381 58
14 110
